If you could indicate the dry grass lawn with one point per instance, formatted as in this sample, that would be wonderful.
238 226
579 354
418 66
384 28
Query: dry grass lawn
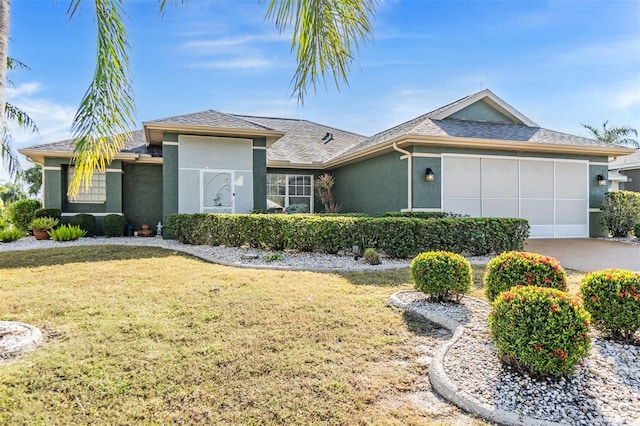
137 336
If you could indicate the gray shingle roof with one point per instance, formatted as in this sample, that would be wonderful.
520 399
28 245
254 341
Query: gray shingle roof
302 141
136 145
426 126
632 160
211 118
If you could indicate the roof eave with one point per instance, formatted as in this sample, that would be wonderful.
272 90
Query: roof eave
270 135
492 144
37 156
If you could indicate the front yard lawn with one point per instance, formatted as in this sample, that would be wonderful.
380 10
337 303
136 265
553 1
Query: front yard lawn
142 335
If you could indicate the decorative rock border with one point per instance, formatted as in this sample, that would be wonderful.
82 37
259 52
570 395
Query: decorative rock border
17 338
445 387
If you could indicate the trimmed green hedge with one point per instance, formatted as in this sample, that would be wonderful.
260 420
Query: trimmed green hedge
396 237
422 215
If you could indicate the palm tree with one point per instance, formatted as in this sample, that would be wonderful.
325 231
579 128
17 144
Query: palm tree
615 135
4 41
15 114
31 179
326 34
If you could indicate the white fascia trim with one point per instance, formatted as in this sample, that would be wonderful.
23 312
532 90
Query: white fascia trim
264 148
595 210
51 168
511 157
598 163
629 166
427 155
169 143
114 171
93 214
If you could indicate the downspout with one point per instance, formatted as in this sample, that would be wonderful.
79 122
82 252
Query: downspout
409 174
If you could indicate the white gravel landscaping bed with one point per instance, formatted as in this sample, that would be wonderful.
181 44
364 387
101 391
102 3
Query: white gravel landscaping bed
604 391
233 256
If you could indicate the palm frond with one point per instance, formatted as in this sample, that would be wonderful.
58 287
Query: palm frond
616 135
14 64
13 113
326 34
103 121
8 155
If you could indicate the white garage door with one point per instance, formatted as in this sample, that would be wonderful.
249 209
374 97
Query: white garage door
553 195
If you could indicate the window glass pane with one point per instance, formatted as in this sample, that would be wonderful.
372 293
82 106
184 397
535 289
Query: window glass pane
97 193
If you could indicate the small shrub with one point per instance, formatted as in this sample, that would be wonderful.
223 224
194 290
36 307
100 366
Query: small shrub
54 213
521 268
3 222
67 233
21 213
10 235
620 212
44 223
636 230
272 257
612 297
86 222
539 330
441 275
113 225
371 256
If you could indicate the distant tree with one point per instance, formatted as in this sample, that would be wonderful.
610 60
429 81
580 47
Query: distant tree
32 179
614 135
10 193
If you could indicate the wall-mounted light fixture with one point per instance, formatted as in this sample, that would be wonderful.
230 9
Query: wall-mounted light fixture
429 176
601 180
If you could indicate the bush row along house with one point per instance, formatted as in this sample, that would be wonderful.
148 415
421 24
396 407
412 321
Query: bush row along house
477 156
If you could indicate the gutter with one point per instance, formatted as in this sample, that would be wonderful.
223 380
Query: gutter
409 174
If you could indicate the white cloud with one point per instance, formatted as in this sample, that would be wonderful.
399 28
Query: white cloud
53 119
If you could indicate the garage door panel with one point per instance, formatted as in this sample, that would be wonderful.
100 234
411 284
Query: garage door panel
536 179
552 195
541 231
499 178
500 207
537 212
463 206
570 180
462 177
570 231
571 212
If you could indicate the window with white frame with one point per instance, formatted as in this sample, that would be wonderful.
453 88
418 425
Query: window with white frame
95 194
293 193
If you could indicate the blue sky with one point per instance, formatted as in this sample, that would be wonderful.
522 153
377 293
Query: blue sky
559 62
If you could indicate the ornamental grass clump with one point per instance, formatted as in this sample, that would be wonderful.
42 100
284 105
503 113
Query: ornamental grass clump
371 256
612 297
67 233
542 331
441 275
521 268
10 235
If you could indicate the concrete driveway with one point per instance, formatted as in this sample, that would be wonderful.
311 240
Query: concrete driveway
586 254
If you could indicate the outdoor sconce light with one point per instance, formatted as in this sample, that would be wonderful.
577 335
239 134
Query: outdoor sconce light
429 176
601 180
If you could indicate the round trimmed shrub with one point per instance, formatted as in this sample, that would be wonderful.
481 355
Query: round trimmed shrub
441 274
113 225
21 213
612 297
86 222
540 330
52 213
522 268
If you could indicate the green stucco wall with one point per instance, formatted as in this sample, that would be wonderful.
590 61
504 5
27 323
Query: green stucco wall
596 198
142 199
169 175
634 176
481 111
374 185
426 195
260 175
